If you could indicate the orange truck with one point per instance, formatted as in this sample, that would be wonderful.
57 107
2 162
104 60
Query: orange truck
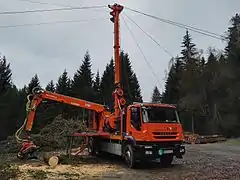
138 132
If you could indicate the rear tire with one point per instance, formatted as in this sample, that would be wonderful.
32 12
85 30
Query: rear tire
129 156
166 160
91 147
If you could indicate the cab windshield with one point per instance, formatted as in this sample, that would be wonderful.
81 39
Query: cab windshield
153 114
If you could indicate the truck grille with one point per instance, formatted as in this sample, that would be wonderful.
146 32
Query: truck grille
165 135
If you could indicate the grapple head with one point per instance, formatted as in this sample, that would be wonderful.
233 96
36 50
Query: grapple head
27 151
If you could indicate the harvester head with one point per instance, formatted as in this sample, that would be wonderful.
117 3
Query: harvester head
28 150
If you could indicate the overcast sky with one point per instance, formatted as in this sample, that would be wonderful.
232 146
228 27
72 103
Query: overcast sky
48 49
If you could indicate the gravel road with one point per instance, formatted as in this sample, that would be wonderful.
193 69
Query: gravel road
202 162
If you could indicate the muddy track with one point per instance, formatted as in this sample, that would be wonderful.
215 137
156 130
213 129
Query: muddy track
201 162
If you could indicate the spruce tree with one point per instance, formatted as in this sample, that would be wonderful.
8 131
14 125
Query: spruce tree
107 85
96 88
171 94
136 89
8 101
63 84
62 87
189 49
189 86
156 95
191 71
82 85
5 75
50 86
233 67
211 91
233 48
129 80
33 83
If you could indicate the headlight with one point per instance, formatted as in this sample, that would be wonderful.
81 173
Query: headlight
148 152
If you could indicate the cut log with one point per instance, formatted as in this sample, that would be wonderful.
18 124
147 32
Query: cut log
51 160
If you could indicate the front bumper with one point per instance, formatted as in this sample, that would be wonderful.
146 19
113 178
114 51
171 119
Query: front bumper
156 151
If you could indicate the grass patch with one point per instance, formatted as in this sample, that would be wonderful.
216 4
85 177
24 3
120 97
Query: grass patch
233 141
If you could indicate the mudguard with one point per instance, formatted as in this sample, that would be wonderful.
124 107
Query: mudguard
130 140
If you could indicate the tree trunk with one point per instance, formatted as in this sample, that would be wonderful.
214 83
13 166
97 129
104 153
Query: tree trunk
193 123
51 160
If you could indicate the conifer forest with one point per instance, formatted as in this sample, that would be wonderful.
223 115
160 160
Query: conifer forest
204 88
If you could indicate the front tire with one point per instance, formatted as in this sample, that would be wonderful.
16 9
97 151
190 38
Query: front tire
129 156
166 160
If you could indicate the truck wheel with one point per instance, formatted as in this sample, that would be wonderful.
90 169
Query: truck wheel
129 156
91 147
166 160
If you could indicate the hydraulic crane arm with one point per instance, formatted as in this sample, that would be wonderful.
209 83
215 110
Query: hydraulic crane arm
39 95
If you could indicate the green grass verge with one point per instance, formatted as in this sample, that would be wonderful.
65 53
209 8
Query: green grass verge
233 141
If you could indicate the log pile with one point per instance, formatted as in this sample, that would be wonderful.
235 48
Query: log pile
191 138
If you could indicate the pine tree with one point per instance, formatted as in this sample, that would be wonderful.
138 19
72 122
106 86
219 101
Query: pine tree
189 86
233 67
129 80
8 100
189 49
62 87
233 47
33 83
8 103
63 84
50 86
96 88
82 85
171 94
5 75
156 95
136 89
191 70
211 90
107 85
21 104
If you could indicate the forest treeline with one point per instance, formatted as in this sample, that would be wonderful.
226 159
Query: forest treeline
205 88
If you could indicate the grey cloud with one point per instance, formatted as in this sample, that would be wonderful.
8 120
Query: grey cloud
48 49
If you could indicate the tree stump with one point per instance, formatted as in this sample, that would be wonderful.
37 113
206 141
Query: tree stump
51 160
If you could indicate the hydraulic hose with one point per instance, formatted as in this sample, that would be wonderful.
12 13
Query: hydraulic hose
19 131
35 91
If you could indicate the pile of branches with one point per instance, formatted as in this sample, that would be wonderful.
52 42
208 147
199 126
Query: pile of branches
53 136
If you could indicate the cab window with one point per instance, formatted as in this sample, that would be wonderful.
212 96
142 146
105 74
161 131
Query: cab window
136 118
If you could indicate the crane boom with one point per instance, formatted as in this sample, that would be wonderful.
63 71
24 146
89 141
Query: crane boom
40 95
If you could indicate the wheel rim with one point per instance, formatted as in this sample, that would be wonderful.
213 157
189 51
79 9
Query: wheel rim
128 157
90 147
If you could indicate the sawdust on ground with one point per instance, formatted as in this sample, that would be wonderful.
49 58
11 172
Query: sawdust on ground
204 162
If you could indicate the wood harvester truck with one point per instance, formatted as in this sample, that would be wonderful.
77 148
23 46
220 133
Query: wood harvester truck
139 132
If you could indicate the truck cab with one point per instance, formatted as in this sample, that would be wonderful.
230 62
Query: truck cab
154 122
155 133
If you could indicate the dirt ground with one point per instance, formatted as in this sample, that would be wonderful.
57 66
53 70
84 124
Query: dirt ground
202 162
